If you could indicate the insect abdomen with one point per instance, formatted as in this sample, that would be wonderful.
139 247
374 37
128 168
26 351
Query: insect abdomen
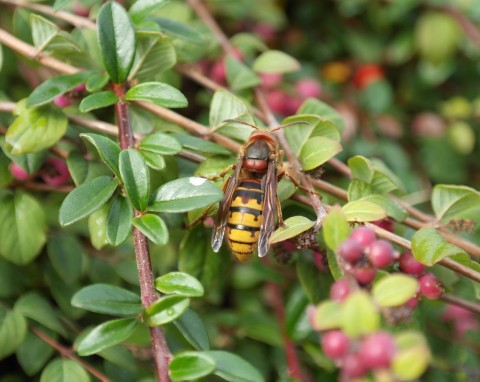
245 218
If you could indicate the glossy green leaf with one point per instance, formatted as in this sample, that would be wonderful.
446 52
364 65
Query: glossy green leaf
153 227
233 368
108 299
185 194
240 76
328 315
363 211
429 247
159 143
13 328
64 370
35 129
323 110
189 366
106 335
97 101
450 201
96 82
97 227
275 61
225 105
179 283
143 8
335 228
193 329
412 357
136 178
158 93
33 354
155 161
390 206
66 256
165 310
201 145
318 150
50 89
294 226
85 199
177 29
119 220
394 290
362 168
384 180
360 315
23 228
117 40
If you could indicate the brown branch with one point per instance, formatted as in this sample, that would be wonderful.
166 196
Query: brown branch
68 353
471 306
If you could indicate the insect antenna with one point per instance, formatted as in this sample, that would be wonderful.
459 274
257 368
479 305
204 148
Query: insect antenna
242 122
290 124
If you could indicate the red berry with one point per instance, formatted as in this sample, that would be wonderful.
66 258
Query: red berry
363 235
456 313
351 251
412 303
387 224
271 80
366 74
339 290
62 101
277 100
308 88
19 173
353 367
218 73
55 172
380 252
335 344
408 264
467 325
320 260
292 104
265 31
377 350
430 286
364 275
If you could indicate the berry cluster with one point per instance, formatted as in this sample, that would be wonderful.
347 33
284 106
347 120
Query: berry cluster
53 172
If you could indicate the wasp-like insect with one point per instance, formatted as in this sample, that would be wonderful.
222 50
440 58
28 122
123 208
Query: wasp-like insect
247 214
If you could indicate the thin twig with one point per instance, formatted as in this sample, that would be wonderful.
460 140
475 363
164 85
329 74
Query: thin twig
471 306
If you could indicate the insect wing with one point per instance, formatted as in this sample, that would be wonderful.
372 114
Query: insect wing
269 208
222 214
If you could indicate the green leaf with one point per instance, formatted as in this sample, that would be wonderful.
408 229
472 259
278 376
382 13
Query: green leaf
97 101
275 61
135 177
335 228
117 40
33 354
324 111
97 227
394 290
224 106
192 328
429 247
159 143
335 268
360 315
178 29
96 82
23 228
363 211
155 161
50 89
158 93
200 145
143 8
13 328
153 227
108 299
450 201
318 150
390 206
240 76
294 226
189 366
313 284
328 315
66 256
35 129
384 180
412 356
119 220
233 368
165 310
362 168
64 370
179 283
85 199
36 307
106 335
185 194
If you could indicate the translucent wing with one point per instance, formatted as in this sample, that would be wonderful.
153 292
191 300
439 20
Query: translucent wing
269 208
222 214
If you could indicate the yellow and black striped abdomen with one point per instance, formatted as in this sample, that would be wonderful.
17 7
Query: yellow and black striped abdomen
245 218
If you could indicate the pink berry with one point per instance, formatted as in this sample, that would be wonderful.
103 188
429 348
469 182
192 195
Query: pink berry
80 88
339 290
353 367
55 172
377 350
408 264
335 344
467 325
456 313
363 235
381 254
218 72
271 80
351 251
19 173
277 100
364 275
62 101
412 303
292 104
387 224
308 88
428 125
430 286
320 260
265 31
